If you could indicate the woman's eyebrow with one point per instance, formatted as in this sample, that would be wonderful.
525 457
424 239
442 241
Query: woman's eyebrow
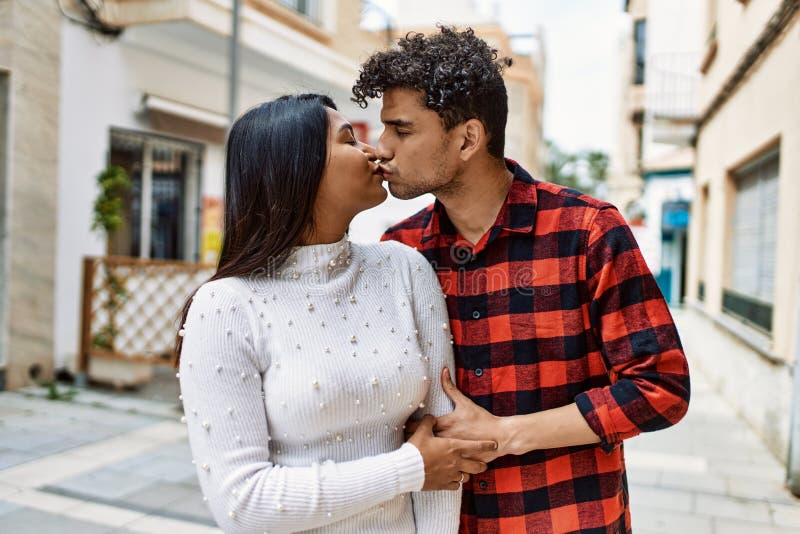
347 126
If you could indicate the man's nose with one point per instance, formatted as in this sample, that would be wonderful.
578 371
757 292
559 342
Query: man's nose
383 151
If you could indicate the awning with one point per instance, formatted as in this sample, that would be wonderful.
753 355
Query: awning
184 120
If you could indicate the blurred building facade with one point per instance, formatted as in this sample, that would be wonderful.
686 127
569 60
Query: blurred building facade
651 181
143 85
743 283
30 52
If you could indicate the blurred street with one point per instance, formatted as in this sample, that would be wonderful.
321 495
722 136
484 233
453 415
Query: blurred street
106 462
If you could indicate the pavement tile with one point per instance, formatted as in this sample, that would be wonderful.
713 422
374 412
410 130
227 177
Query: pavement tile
732 508
111 516
103 483
160 495
162 525
759 489
42 501
46 470
7 489
708 483
195 507
6 507
785 515
661 498
646 519
644 476
730 526
10 458
31 521
756 468
25 440
157 466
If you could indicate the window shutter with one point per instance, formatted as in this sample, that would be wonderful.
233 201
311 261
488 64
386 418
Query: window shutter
754 230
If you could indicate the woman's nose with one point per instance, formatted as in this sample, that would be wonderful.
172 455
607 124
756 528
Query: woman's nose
369 151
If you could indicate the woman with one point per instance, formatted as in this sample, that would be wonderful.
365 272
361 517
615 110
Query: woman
304 355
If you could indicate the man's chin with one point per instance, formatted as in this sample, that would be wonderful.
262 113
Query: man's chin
402 193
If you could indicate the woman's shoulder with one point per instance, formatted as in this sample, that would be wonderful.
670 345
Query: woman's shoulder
231 289
407 260
391 250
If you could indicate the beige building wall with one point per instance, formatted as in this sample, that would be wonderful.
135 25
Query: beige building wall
624 179
30 55
761 113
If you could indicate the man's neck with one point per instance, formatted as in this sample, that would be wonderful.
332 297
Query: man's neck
473 207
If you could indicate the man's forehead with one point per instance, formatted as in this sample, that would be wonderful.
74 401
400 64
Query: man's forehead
403 105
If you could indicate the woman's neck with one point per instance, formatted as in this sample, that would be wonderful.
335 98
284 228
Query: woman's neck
326 231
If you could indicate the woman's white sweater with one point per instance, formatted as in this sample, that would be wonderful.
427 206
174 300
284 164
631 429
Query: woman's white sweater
296 387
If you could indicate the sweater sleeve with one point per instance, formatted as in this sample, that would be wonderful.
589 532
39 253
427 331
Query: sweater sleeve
638 339
434 511
221 378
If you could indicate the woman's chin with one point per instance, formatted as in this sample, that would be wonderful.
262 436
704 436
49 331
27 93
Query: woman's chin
378 198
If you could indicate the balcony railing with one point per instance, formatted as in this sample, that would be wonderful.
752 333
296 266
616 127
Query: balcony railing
130 307
672 86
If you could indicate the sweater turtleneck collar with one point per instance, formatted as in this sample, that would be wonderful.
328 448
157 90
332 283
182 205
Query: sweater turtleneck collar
322 260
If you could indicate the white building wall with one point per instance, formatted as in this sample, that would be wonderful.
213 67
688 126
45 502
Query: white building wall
96 92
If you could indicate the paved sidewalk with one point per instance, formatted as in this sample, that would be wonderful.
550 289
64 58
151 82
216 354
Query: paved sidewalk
710 474
105 463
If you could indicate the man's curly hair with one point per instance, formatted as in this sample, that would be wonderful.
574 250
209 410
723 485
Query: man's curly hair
458 72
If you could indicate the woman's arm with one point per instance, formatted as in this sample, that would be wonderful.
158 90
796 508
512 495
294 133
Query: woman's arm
221 383
434 511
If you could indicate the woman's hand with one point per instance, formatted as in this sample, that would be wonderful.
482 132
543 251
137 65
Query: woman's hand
448 462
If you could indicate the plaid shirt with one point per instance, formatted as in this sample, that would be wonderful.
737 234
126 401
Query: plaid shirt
555 305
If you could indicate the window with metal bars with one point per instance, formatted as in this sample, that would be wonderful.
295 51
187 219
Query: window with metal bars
161 206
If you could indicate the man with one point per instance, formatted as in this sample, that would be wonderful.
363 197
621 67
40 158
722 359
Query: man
564 344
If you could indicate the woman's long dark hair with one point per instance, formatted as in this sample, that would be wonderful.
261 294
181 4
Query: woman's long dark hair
276 156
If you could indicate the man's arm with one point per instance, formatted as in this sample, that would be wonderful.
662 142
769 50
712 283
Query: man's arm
516 434
641 348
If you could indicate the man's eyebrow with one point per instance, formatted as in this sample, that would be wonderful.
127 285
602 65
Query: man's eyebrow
399 123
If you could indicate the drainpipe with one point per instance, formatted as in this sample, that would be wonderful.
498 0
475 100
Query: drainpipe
233 79
793 463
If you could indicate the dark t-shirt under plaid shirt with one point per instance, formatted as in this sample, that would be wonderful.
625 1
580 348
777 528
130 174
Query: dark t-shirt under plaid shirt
555 305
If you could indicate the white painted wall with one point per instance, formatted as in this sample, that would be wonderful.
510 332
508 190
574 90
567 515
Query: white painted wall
96 92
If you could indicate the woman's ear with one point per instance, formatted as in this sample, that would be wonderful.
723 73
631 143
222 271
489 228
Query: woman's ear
474 137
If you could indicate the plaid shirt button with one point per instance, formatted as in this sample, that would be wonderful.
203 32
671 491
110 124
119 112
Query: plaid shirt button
483 485
479 372
476 314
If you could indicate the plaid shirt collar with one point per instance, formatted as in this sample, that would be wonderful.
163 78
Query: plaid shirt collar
517 215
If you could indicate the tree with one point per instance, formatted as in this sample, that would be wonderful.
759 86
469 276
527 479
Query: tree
585 170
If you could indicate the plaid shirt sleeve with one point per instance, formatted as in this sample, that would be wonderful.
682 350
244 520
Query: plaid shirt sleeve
639 342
